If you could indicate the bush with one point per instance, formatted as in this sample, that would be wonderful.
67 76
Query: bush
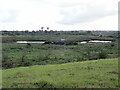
102 55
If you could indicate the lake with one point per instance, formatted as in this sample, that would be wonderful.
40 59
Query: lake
95 41
100 41
41 42
83 42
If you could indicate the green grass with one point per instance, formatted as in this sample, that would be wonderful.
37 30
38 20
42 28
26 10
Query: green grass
102 73
14 54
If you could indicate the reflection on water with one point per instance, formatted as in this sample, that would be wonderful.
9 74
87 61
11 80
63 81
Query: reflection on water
91 41
96 41
99 41
30 42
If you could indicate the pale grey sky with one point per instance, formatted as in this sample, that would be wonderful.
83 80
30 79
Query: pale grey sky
59 14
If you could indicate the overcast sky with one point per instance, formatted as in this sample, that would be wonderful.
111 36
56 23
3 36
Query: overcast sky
59 14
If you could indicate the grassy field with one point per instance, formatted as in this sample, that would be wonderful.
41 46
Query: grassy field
54 50
15 55
59 63
102 73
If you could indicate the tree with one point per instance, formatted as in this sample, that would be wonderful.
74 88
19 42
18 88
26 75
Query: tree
89 32
47 28
42 28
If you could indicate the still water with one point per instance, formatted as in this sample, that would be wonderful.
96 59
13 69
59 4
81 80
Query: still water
30 42
96 41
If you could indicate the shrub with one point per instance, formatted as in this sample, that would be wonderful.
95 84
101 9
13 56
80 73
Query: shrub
102 55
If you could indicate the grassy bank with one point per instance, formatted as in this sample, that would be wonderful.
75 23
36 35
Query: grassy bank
102 73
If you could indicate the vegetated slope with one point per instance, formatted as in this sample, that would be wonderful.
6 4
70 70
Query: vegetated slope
88 74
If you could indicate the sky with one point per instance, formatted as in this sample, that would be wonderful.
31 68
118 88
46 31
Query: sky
59 14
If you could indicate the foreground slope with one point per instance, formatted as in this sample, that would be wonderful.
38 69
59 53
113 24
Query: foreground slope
87 74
